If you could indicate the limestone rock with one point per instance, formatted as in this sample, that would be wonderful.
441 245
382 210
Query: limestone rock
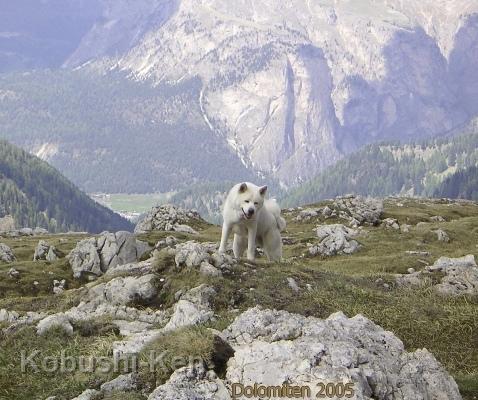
168 218
209 270
6 253
94 256
334 239
45 251
391 223
461 275
442 236
364 210
13 273
192 308
192 382
58 286
55 321
272 347
190 254
124 383
291 282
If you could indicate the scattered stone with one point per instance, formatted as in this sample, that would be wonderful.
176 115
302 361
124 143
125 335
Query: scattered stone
59 286
6 253
55 321
386 286
442 236
192 382
308 214
334 239
13 273
461 275
421 225
13 317
184 229
168 218
391 223
411 270
418 253
136 268
405 228
293 285
169 241
364 210
209 270
414 279
45 251
190 254
192 308
122 383
94 256
437 218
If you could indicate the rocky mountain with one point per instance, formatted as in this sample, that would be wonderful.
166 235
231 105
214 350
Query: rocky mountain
34 194
289 88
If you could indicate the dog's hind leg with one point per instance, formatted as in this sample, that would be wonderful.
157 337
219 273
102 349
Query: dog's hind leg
240 244
273 245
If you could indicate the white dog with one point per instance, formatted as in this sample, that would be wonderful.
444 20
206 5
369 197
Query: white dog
253 219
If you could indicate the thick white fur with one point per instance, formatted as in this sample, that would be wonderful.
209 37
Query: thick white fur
262 227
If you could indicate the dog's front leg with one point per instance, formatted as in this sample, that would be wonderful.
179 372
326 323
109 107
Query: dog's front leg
226 231
251 243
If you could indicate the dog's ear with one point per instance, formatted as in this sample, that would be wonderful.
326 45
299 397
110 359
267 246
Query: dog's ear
263 190
243 187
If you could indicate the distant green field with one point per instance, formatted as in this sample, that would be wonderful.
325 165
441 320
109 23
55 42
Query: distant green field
132 203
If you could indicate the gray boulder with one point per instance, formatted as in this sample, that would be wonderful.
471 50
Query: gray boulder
6 253
391 223
193 308
55 321
192 382
334 239
190 254
272 347
358 210
45 251
461 275
58 286
94 256
442 236
168 218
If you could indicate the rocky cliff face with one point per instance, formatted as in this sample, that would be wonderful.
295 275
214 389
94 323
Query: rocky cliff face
294 87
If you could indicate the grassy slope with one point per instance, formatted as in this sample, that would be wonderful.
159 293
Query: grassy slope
448 327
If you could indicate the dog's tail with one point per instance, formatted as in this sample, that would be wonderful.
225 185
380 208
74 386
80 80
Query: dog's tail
274 208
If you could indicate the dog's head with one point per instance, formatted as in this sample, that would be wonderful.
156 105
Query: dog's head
250 199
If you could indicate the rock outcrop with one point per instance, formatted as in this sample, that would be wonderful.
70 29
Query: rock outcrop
204 256
272 348
6 253
334 239
45 251
95 255
168 218
460 276
358 210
